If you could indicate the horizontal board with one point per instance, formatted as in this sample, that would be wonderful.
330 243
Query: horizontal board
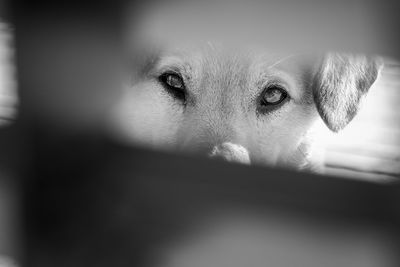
354 174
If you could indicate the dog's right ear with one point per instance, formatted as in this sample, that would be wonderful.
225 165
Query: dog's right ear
339 85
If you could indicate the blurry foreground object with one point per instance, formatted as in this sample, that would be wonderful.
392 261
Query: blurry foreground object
95 203
9 185
8 89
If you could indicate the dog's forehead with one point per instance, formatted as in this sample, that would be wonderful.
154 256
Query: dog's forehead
211 57
216 68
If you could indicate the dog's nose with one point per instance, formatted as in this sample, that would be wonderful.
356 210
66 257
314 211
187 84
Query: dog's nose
231 152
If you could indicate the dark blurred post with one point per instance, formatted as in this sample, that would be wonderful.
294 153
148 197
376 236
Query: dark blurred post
67 61
68 67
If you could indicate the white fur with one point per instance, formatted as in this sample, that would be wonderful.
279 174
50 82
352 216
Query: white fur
220 115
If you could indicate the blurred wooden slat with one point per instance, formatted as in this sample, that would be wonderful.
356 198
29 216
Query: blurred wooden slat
353 174
378 136
363 163
372 150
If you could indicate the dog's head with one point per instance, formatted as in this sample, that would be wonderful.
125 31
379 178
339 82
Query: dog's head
247 107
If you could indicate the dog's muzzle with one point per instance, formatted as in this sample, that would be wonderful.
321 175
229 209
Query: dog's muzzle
231 152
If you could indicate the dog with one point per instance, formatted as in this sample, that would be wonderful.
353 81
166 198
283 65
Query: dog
242 105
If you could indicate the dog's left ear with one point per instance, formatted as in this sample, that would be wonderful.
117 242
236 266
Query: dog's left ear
339 85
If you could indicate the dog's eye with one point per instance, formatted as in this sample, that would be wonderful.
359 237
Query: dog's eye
272 97
174 85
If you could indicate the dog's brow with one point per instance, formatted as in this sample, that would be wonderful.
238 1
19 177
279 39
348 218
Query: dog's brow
148 62
211 45
180 63
268 61
281 60
170 62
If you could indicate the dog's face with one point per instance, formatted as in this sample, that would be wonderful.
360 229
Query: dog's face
243 106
